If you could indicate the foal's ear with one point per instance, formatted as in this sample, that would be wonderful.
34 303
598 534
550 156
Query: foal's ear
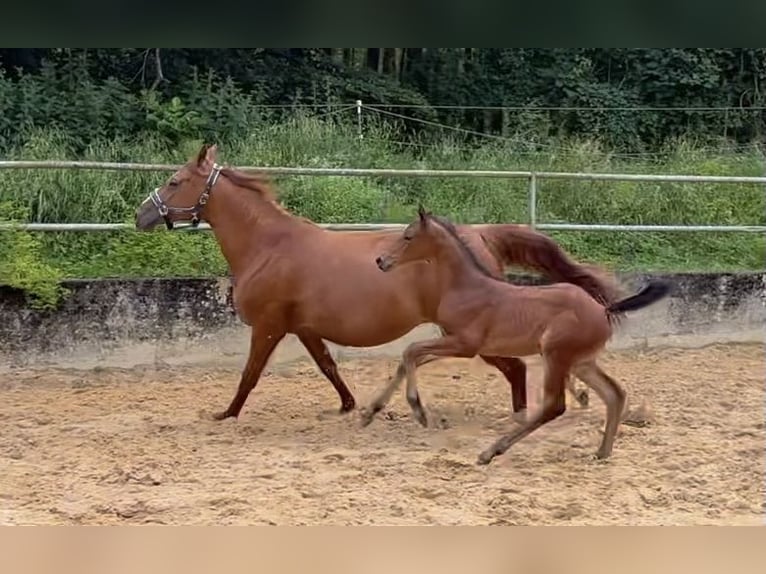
207 157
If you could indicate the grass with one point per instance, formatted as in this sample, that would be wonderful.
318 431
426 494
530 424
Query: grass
102 196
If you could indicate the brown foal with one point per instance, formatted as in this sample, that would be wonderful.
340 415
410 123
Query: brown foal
482 314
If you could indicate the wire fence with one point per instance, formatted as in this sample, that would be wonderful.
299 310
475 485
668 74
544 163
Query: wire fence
532 178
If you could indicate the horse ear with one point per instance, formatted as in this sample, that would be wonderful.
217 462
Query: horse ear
202 154
422 214
207 157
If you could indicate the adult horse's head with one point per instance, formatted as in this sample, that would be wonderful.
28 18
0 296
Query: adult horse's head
184 195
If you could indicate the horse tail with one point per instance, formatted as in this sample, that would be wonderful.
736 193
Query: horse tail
650 293
519 245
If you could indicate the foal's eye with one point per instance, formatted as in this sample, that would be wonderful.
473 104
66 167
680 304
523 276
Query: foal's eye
173 183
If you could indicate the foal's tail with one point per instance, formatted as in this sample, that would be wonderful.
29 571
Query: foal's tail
651 293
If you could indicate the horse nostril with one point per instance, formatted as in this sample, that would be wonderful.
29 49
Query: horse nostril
378 260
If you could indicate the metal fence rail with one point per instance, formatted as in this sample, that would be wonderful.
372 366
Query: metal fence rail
531 176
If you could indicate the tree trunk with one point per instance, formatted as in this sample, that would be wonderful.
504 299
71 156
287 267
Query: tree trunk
488 116
505 125
372 58
381 59
398 56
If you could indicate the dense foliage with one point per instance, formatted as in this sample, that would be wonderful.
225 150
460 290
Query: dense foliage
219 93
514 109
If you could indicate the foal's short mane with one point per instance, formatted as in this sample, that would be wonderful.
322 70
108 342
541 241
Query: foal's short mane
448 226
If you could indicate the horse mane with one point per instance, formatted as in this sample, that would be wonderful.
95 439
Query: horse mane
261 184
451 230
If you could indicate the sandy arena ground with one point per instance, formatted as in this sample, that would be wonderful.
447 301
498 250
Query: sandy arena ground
111 446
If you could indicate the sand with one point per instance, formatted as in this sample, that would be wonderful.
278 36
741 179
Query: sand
135 446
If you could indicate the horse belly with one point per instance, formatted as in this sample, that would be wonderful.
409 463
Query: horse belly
361 322
504 342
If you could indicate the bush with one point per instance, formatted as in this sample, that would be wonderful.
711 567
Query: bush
22 263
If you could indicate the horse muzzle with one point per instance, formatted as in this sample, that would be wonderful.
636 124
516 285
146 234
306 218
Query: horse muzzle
384 263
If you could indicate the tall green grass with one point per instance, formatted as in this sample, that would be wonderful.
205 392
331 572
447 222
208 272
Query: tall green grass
106 196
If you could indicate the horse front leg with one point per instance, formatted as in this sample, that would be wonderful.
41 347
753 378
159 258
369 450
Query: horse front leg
262 344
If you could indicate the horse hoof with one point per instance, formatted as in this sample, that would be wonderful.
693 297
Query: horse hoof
520 417
347 408
366 417
600 456
420 416
485 457
221 416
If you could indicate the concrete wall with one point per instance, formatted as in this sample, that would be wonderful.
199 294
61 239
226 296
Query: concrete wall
128 322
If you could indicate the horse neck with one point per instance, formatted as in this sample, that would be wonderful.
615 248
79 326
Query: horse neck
456 270
244 222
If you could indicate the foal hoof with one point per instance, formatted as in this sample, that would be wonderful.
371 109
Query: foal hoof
420 416
221 416
366 415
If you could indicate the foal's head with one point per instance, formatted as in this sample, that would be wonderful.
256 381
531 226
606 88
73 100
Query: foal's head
419 242
184 195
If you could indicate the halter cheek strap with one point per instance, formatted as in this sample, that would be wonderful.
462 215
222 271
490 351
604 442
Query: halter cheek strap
165 210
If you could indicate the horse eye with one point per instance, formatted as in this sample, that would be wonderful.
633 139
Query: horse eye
173 183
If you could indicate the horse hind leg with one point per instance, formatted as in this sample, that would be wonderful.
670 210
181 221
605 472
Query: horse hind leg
515 372
613 395
323 359
553 406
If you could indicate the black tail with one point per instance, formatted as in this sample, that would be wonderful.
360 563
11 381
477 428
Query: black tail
651 293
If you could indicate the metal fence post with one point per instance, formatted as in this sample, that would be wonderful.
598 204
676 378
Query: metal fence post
359 118
533 200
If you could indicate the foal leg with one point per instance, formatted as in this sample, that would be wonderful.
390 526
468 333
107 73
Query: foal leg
554 405
323 359
382 398
422 352
580 396
612 394
262 344
515 372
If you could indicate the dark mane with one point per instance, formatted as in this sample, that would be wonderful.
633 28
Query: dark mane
448 226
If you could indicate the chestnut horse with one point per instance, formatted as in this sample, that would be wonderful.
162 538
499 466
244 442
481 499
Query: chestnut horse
292 276
483 314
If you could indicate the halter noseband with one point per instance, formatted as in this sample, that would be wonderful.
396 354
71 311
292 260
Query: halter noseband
164 209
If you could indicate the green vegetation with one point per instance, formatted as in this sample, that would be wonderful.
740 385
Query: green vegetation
77 104
105 196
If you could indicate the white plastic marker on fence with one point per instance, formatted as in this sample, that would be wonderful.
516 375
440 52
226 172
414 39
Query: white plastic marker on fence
532 177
